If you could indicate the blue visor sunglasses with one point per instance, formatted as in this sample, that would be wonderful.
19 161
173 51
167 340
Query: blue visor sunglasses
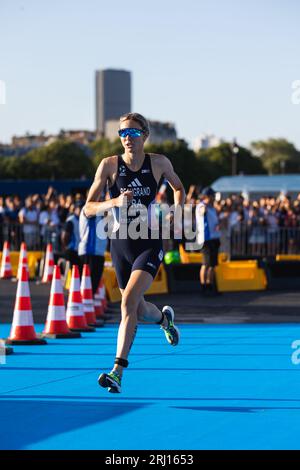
131 131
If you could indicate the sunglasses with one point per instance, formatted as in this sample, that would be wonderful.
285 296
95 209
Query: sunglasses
131 131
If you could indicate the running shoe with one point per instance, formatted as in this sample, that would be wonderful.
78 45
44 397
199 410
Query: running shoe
171 331
111 381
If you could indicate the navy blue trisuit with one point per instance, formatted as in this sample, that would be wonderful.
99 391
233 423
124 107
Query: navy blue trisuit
131 254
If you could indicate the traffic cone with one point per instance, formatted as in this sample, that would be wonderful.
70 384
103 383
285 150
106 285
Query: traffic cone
22 330
49 264
23 260
56 324
6 271
75 316
87 298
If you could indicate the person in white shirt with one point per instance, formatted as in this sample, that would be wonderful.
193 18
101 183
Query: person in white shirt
28 218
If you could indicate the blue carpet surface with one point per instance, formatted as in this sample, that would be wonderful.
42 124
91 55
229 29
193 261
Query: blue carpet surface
223 387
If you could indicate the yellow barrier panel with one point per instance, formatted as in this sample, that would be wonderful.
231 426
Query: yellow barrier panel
158 286
287 257
107 256
68 279
111 284
33 257
190 257
234 276
160 283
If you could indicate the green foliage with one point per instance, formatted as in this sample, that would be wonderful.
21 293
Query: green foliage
102 148
182 158
277 155
64 159
217 162
56 161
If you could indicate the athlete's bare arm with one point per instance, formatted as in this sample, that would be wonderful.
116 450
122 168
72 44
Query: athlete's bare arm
163 167
105 173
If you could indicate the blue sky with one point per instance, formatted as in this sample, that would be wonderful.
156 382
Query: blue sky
220 66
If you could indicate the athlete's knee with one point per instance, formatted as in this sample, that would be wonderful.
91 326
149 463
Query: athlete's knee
129 304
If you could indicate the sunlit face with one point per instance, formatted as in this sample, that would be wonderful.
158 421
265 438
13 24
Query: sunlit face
132 144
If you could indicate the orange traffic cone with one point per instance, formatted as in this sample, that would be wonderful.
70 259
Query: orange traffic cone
49 264
87 298
22 330
6 271
23 261
56 324
75 316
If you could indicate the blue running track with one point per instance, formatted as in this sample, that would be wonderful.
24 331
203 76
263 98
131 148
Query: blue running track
223 387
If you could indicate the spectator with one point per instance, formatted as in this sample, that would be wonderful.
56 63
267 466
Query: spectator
91 248
28 218
70 235
211 236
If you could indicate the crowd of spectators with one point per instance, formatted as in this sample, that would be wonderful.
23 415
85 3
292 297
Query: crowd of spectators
246 225
38 220
257 226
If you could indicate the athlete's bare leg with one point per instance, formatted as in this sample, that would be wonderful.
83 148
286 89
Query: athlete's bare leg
132 295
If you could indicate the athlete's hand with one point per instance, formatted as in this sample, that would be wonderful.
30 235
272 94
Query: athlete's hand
124 199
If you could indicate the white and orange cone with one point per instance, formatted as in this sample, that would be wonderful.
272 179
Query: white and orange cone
49 265
6 270
22 330
87 298
75 315
56 324
23 260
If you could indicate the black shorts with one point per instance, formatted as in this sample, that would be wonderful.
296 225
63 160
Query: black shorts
129 255
210 252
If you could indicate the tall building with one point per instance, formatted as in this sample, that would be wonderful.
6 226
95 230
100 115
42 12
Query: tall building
113 96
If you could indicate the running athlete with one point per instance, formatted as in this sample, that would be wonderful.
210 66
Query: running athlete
133 181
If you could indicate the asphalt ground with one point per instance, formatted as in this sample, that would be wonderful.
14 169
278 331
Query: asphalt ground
231 307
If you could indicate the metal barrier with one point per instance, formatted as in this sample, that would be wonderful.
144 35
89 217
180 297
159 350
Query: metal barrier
35 236
248 242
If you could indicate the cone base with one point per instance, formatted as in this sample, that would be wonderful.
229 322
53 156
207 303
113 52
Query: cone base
70 335
88 329
24 342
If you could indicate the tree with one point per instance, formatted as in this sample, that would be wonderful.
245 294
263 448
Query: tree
56 161
102 148
217 162
182 158
277 155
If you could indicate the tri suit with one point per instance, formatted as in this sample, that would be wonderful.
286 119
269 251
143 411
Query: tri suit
129 254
